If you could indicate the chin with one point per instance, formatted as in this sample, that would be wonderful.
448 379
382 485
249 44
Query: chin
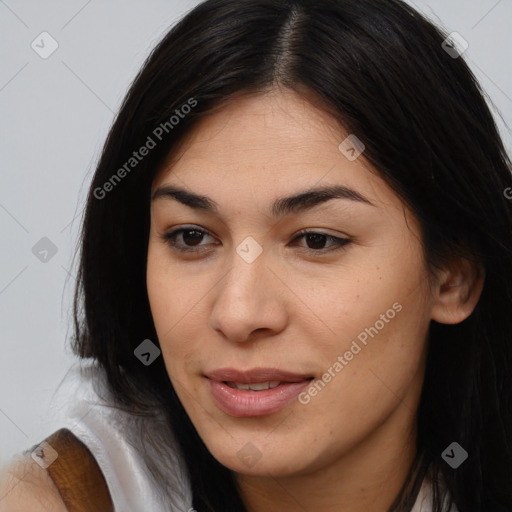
249 458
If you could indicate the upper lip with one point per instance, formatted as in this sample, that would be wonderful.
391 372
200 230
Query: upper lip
255 375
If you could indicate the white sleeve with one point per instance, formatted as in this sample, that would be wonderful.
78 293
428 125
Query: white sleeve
106 431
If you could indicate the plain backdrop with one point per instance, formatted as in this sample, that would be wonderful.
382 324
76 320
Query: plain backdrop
55 114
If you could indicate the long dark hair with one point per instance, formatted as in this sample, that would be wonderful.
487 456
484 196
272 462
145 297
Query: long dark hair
379 67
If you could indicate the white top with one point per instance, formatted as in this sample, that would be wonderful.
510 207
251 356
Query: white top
112 437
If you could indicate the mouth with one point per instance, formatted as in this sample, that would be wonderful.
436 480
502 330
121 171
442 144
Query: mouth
254 386
255 376
256 392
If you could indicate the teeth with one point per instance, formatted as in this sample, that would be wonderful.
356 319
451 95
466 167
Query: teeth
259 386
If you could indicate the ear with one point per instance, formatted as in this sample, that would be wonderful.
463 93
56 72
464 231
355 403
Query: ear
457 290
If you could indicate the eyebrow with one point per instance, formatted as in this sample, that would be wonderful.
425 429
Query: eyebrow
297 203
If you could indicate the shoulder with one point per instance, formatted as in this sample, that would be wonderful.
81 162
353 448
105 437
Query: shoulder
25 485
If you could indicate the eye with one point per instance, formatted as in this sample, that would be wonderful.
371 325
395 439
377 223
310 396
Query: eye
317 238
191 237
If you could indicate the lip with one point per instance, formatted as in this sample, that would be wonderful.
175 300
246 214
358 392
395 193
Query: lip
242 403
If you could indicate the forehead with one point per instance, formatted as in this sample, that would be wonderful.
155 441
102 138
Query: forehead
263 125
268 145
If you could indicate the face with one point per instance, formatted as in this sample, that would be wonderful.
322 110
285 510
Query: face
336 318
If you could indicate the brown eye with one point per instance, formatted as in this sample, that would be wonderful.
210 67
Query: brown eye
316 241
191 237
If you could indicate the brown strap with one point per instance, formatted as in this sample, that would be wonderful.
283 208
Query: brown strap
77 475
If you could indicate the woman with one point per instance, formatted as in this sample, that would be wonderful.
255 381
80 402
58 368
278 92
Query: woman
278 373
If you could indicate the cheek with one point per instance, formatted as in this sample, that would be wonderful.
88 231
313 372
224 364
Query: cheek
378 316
382 376
383 356
174 300
167 291
377 300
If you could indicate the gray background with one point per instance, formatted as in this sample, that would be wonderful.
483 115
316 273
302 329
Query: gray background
55 114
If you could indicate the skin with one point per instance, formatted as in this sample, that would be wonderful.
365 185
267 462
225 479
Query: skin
351 446
24 485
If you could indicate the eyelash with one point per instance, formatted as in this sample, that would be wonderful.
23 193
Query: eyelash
170 239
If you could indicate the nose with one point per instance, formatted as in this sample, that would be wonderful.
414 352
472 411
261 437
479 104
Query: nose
250 301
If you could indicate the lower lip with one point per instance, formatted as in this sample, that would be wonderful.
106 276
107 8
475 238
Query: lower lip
241 403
